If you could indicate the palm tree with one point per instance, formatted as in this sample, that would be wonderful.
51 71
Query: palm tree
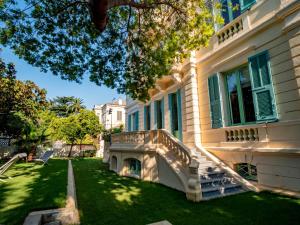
75 105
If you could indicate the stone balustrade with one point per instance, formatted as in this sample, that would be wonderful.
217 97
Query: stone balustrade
242 135
230 30
162 137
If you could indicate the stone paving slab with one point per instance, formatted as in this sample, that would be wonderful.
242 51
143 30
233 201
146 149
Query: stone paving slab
164 222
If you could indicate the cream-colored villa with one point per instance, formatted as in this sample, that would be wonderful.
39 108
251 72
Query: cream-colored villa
228 119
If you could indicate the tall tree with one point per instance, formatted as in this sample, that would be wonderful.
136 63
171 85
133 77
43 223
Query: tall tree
19 101
64 106
123 44
74 128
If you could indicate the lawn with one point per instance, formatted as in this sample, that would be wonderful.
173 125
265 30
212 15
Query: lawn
107 199
32 187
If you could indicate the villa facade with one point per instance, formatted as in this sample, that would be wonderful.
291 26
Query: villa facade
234 106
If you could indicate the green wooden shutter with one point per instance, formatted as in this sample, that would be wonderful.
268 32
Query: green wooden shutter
179 113
170 112
215 103
246 4
129 123
162 106
137 121
145 118
155 115
262 88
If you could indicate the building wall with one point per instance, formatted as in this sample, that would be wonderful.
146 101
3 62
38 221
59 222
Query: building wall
283 48
110 120
154 167
269 26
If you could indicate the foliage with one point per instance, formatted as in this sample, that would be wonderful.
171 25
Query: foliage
140 43
64 106
20 102
76 127
38 133
107 133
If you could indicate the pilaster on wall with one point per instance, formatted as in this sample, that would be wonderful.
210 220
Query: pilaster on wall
192 134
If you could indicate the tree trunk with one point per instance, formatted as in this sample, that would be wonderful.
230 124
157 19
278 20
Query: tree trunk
70 152
80 148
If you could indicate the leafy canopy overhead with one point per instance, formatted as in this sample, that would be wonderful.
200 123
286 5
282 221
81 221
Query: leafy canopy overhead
136 42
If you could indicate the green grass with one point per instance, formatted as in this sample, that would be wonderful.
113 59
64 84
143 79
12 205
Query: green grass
105 198
32 187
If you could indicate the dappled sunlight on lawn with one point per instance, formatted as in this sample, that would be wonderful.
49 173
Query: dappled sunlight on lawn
126 194
105 198
32 187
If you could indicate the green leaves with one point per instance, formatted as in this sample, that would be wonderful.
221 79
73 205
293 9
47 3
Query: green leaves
139 45
76 127
17 100
65 106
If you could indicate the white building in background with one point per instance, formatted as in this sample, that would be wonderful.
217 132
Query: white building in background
111 114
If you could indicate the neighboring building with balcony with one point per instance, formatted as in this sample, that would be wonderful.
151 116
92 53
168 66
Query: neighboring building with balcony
111 114
228 119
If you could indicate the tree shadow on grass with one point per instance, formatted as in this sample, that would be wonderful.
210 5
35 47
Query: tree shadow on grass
32 187
108 199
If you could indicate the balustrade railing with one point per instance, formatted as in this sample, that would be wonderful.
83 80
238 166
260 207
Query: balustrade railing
242 134
230 30
162 137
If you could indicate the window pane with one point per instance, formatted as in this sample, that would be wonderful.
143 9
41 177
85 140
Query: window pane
159 114
233 98
119 115
174 112
264 70
255 72
247 95
236 8
147 119
225 13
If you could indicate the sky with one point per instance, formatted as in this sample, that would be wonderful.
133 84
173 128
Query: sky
90 93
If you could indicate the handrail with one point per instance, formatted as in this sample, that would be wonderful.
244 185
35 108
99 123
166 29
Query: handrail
155 137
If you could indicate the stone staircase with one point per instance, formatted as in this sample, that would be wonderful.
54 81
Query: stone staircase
203 176
214 181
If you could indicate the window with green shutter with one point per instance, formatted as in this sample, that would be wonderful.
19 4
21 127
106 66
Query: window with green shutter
246 4
239 96
262 88
175 114
231 9
215 104
136 121
147 117
159 114
129 123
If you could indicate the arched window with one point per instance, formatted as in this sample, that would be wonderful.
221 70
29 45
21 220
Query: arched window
246 170
133 167
114 163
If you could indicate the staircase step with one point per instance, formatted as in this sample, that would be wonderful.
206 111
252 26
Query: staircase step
202 159
203 166
217 180
208 172
208 196
219 187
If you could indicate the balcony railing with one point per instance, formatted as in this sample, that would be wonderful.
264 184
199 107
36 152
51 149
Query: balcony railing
230 30
152 137
242 135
